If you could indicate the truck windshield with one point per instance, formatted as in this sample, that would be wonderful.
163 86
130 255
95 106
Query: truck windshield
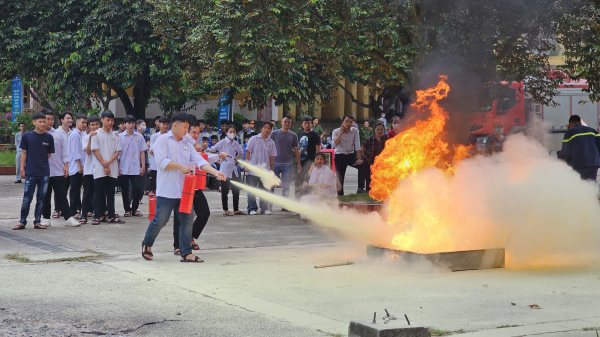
481 99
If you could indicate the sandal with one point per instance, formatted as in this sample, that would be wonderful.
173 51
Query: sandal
115 220
83 221
102 219
195 245
96 222
127 214
137 213
19 227
55 215
90 214
176 251
228 213
146 252
195 260
239 213
38 226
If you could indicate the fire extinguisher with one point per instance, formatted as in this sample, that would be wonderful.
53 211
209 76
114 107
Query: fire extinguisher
151 206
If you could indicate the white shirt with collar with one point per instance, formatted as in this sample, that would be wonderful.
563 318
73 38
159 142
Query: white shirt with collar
107 143
88 167
232 148
169 183
76 151
349 142
153 139
60 156
129 158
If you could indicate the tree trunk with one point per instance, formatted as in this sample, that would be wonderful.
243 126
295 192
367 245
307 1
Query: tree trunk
141 93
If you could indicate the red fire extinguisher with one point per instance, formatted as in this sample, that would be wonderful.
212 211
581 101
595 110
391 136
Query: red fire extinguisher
151 206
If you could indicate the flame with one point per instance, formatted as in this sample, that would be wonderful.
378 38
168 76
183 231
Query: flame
416 149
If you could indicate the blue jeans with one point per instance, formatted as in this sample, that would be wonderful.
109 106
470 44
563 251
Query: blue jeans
42 188
254 181
164 207
284 171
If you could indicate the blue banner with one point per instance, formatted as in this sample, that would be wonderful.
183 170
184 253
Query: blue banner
223 110
17 97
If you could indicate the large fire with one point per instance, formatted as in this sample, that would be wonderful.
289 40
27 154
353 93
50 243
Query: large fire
416 149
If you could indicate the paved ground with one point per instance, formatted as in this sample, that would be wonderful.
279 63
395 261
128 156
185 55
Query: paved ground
259 280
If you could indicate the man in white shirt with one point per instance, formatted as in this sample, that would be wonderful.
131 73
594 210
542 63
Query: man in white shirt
164 123
132 164
88 170
106 148
59 171
261 152
76 162
175 158
18 138
346 139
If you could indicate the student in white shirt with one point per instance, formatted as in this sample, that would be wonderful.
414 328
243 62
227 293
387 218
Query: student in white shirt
132 164
260 151
88 170
233 149
175 158
76 163
164 123
106 148
321 185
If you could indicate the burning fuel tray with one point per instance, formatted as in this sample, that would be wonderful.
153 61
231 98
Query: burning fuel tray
455 261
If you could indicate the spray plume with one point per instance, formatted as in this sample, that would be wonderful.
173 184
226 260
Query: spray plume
268 178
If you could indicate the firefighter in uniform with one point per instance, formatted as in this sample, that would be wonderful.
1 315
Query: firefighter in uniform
581 149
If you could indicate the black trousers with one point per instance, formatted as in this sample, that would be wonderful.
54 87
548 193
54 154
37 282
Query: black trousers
152 180
142 187
75 193
301 177
88 196
128 204
202 213
59 185
364 176
342 161
104 197
68 180
586 173
236 196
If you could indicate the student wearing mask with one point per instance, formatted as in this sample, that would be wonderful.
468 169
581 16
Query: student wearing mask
36 148
132 165
174 156
106 148
59 171
165 124
228 168
76 162
140 126
87 201
395 127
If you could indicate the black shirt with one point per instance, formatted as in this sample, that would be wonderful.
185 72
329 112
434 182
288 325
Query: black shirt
308 144
38 146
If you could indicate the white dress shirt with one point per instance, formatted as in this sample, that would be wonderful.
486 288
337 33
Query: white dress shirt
76 152
60 156
88 167
129 158
261 150
107 143
232 148
349 142
169 183
152 141
323 176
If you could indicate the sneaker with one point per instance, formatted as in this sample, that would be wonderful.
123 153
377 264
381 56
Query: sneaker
361 190
268 212
46 222
72 222
252 213
18 181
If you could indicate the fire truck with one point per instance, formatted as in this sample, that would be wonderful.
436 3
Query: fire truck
515 110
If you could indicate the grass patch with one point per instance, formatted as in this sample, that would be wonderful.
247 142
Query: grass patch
438 332
7 158
363 197
507 326
592 328
329 334
17 257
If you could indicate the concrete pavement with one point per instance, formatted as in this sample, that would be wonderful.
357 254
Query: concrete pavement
259 280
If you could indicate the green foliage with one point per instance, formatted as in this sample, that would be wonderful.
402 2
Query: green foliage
211 115
5 129
25 117
7 158
238 120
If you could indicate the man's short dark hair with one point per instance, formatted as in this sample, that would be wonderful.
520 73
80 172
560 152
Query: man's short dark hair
246 121
139 121
80 116
107 114
349 116
165 119
93 119
129 119
201 121
157 117
205 139
194 123
306 118
24 123
288 116
575 119
38 115
47 112
180 117
62 115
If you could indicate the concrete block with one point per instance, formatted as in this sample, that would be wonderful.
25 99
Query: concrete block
455 261
397 328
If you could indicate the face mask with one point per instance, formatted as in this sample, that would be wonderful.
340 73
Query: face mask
396 126
231 135
499 131
143 128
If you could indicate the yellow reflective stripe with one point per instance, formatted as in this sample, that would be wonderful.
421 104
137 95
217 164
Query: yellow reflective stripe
581 134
